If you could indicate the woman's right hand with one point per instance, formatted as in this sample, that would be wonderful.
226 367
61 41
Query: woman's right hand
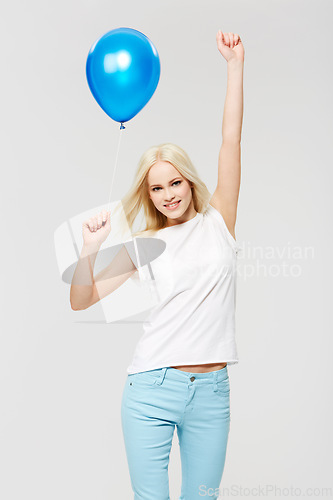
96 229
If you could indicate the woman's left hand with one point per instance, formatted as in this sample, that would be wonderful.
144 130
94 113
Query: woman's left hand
230 46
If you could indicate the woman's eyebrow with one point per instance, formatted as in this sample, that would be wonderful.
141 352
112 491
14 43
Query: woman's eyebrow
155 185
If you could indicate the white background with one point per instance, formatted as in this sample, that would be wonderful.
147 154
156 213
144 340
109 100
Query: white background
62 372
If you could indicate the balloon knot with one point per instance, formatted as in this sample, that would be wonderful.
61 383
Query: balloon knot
122 126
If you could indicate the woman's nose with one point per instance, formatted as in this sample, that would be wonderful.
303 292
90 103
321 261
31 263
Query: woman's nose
169 199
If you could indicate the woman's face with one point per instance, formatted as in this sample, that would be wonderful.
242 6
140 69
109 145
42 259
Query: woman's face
166 186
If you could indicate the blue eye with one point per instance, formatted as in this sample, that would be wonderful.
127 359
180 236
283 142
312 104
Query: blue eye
176 182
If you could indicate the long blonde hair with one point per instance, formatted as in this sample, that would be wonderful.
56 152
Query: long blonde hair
138 197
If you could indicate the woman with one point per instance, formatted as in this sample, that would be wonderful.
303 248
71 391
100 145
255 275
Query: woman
178 376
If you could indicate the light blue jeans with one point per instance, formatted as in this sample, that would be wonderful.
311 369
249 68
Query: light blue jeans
154 403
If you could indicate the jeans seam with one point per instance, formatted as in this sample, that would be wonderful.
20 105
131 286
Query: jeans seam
183 415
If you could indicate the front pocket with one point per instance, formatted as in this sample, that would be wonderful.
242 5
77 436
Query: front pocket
223 387
142 379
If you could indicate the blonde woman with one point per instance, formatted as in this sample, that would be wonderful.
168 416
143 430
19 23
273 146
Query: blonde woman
178 377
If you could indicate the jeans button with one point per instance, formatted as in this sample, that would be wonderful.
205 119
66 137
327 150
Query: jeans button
192 379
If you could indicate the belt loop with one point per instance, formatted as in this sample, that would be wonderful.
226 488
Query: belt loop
161 378
215 381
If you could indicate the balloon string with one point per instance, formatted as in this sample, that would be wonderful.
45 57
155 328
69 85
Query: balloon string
115 165
152 278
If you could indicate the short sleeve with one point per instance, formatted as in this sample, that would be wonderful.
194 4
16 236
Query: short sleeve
142 273
212 212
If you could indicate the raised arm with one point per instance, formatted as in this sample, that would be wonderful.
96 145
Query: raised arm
225 197
87 289
107 281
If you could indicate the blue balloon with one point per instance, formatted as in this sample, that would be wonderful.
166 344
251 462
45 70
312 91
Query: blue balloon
123 70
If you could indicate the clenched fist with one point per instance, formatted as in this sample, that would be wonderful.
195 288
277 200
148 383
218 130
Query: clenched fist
230 46
96 229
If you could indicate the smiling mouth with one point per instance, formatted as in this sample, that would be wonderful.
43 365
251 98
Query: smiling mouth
173 205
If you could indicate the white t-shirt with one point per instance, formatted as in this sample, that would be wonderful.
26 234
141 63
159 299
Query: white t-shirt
193 321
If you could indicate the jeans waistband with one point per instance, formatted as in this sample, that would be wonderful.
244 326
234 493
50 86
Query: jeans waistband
181 376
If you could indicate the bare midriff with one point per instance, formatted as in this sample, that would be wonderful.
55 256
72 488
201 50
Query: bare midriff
210 367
